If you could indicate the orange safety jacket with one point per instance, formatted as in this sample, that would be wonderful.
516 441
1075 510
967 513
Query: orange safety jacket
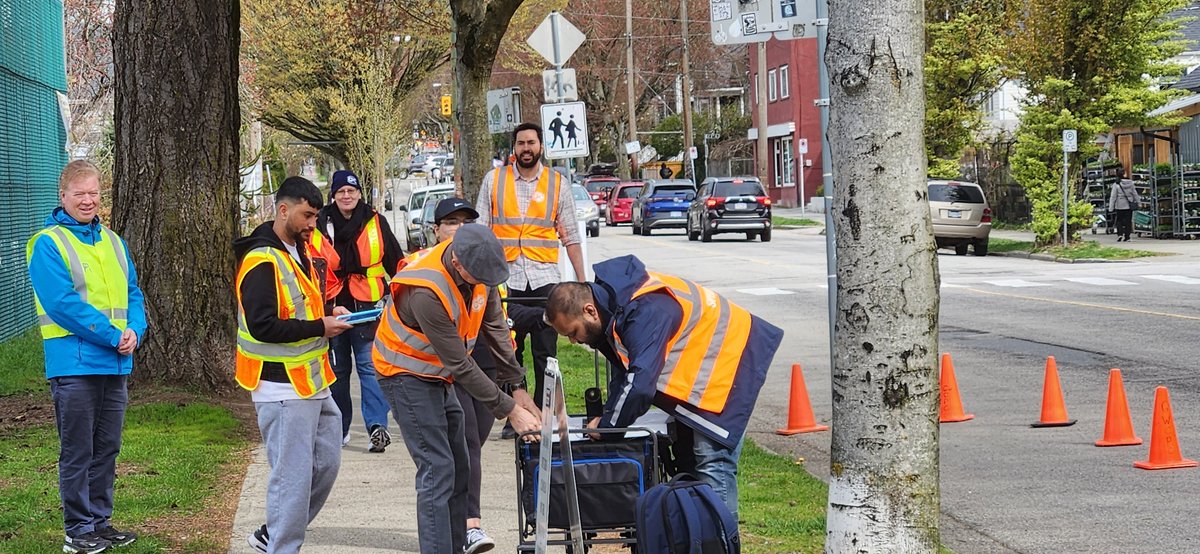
702 356
299 297
533 233
402 349
365 287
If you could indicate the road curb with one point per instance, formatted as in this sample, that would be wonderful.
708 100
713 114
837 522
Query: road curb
1052 258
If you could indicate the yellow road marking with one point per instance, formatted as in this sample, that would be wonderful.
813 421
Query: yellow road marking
1084 304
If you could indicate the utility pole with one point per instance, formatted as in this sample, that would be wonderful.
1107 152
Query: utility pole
690 166
629 82
760 154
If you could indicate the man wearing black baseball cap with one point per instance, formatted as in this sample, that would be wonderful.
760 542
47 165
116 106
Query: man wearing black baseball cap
451 214
442 304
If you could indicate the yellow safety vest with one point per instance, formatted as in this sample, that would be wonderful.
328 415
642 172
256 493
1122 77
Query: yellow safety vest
99 274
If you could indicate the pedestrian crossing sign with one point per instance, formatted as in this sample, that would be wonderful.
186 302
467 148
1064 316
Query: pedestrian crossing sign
564 130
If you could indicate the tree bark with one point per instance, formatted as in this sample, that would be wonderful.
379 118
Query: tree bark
478 27
175 185
883 490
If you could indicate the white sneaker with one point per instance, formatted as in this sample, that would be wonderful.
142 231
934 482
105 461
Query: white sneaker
345 440
478 541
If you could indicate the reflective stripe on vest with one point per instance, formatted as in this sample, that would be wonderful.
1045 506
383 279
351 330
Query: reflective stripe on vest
703 355
533 233
333 263
298 297
402 349
369 286
99 275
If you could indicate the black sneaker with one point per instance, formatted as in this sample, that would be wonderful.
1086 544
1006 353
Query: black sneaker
507 433
380 439
258 539
117 538
86 543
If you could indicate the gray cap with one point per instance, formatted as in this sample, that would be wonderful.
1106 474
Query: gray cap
480 253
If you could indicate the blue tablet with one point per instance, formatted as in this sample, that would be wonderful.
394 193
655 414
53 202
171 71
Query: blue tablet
361 317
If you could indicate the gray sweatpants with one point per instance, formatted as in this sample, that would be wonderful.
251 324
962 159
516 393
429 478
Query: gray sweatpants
304 448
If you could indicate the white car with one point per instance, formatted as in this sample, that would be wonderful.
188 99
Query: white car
416 202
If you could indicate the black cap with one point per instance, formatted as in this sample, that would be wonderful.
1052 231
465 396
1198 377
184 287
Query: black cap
480 253
451 205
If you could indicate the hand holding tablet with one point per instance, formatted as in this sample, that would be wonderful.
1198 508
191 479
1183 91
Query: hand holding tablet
364 316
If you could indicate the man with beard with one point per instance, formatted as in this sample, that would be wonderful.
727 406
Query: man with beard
362 253
282 358
531 210
679 346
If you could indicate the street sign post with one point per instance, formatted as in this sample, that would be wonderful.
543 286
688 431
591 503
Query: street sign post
570 38
503 109
740 21
565 128
568 87
1070 140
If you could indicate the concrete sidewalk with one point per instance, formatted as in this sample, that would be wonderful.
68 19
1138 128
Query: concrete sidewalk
373 505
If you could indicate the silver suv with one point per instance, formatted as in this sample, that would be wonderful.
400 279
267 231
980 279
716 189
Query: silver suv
961 216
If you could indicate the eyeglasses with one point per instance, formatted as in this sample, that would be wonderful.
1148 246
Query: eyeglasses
455 221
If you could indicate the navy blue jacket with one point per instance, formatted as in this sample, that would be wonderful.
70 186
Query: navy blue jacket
644 326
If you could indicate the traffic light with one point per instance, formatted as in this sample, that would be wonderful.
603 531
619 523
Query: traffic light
446 105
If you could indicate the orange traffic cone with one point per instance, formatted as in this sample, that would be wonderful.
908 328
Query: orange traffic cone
1164 448
1054 410
800 413
1118 427
952 409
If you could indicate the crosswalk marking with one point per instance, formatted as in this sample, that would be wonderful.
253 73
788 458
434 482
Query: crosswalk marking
1173 279
1100 281
770 291
1016 283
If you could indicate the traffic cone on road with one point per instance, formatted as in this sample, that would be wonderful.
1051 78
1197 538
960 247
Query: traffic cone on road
952 408
1054 409
800 413
1164 448
1118 427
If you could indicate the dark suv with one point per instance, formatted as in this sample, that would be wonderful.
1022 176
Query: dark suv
661 205
730 205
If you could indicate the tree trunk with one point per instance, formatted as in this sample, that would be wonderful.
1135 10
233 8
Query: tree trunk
175 185
478 27
883 489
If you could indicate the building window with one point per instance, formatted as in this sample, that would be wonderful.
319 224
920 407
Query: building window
785 165
784 86
772 86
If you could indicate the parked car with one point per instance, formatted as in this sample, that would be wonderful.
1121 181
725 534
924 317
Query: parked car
730 205
416 164
586 210
416 203
961 216
428 237
598 187
620 202
662 205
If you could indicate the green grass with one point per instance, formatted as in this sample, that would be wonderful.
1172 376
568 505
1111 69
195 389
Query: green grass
1009 245
21 358
793 222
1090 249
173 458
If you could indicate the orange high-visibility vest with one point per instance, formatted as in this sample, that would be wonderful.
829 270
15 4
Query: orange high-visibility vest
502 289
532 233
702 356
368 286
299 297
402 349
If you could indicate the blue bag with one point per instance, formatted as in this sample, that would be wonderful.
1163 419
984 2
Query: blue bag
685 516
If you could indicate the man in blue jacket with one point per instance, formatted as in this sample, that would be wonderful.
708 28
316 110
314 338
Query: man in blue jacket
92 318
679 346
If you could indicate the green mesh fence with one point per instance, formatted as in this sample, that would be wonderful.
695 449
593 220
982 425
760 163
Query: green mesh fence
32 142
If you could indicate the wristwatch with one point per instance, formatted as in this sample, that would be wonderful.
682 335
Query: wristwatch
508 388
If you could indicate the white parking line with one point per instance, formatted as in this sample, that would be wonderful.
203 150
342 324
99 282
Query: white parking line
1016 283
1174 279
1100 281
771 291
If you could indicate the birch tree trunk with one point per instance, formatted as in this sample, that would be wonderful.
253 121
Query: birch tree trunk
175 182
883 488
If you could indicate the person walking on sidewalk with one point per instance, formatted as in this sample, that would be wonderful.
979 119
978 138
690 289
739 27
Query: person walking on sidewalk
676 345
362 252
282 358
441 305
92 318
532 212
1124 200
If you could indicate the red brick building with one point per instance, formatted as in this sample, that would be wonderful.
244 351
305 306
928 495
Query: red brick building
792 86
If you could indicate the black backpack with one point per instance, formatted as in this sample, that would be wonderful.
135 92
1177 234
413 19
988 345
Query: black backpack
685 516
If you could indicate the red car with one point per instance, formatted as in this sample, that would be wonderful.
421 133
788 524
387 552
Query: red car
620 202
598 187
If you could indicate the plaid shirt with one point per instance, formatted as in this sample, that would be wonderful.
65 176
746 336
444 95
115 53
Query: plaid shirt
526 273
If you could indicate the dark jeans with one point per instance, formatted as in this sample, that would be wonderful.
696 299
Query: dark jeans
1124 222
350 353
543 343
431 421
89 411
477 425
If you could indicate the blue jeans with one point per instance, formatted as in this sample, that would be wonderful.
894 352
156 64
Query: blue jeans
717 466
352 351
89 411
431 422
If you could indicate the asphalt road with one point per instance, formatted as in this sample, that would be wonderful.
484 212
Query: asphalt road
1006 487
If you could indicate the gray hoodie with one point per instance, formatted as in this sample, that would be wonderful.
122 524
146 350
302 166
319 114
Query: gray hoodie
1124 196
